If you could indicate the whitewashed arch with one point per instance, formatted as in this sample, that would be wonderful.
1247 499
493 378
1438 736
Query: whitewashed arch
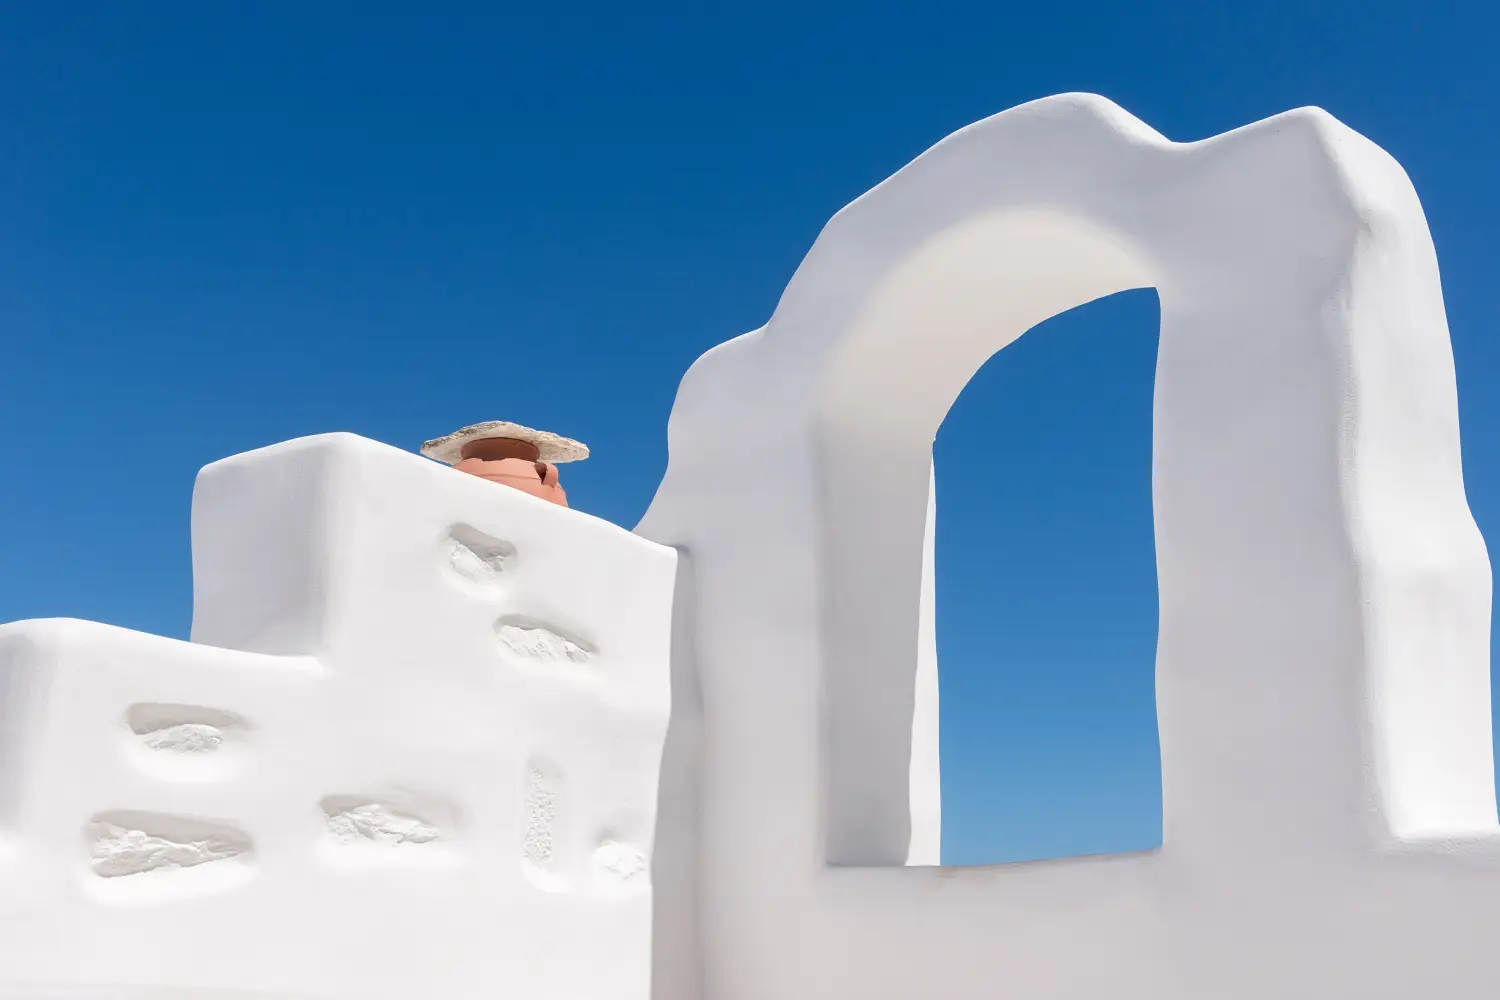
1322 673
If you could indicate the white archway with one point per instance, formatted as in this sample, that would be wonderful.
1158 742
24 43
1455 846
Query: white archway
1323 654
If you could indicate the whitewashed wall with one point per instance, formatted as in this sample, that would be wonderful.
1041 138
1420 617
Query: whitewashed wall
416 744
1322 673
425 762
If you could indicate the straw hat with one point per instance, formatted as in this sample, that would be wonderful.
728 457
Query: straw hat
553 448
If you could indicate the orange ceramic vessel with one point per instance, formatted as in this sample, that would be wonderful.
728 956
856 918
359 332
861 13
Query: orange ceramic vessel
515 464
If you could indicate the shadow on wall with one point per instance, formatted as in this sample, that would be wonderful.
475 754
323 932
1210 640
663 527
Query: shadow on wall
1046 593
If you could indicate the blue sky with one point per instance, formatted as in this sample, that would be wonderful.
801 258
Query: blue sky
224 225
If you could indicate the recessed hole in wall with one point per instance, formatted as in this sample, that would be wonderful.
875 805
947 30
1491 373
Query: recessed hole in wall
476 556
182 729
353 819
133 843
537 641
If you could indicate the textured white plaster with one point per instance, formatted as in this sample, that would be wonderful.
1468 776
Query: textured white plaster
124 850
184 731
186 737
477 556
541 807
620 861
379 823
540 642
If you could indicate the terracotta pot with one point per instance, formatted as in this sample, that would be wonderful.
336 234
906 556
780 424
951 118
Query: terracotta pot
537 478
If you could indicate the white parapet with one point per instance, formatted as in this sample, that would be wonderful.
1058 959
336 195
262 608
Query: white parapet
413 750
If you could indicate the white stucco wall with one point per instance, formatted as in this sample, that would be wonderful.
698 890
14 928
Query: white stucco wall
1322 672
425 762
420 744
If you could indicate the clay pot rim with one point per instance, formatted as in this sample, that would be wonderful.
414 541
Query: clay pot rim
552 448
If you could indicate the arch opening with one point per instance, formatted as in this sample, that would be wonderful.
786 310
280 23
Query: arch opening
1046 610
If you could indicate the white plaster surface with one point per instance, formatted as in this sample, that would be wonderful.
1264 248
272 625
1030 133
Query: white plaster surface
325 794
1322 672
421 743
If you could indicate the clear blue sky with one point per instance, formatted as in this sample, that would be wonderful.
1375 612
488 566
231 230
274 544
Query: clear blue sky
227 224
